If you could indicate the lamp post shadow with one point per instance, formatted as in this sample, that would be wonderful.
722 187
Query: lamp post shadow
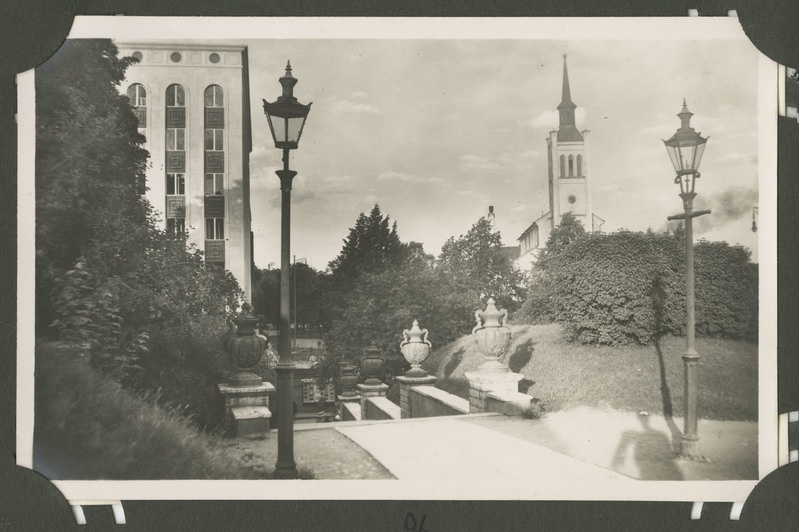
665 393
652 452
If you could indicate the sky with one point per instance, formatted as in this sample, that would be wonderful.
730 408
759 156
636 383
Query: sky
436 131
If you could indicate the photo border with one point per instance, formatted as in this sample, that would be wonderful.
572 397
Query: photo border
631 28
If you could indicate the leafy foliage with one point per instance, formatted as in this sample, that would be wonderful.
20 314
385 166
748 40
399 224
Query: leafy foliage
475 262
383 298
305 295
148 308
628 287
567 231
371 246
383 304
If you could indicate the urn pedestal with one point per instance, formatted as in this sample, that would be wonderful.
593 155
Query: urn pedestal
245 394
415 348
246 350
247 411
372 365
492 337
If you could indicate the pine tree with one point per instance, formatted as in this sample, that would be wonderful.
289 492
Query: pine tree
371 246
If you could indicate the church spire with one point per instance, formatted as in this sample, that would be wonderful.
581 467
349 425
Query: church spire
566 99
567 131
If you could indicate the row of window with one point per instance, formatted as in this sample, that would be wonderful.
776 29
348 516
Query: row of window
175 147
176 184
214 227
176 96
569 170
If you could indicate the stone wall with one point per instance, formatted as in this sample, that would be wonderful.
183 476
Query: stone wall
429 401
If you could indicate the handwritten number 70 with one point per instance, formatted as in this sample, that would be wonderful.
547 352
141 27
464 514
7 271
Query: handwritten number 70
412 525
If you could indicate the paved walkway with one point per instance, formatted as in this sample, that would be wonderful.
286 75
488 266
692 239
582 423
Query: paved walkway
453 449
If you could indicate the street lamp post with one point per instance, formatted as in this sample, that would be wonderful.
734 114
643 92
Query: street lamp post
685 149
286 117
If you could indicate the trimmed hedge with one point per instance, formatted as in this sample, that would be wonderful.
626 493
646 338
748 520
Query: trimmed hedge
627 287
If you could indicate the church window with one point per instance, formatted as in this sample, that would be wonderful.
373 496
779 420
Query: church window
562 166
580 165
571 165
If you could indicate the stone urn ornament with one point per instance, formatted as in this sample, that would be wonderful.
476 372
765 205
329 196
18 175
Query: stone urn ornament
348 379
246 350
492 337
415 348
372 364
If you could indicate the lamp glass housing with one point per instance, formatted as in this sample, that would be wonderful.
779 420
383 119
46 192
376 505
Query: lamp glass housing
286 123
685 151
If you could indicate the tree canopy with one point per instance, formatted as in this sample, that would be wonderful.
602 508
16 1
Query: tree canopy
372 245
476 262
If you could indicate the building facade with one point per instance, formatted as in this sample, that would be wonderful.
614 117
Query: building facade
569 178
193 106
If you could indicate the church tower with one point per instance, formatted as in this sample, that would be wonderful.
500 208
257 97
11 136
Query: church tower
569 178
569 165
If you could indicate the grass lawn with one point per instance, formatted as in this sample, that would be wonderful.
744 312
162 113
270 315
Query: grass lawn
564 375
87 426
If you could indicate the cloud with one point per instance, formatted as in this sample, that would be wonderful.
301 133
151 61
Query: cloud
533 154
729 205
337 180
348 107
735 158
477 163
401 177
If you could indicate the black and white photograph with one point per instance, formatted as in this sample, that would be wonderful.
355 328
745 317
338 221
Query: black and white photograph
399 258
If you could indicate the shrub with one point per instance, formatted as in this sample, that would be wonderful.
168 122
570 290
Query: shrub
88 426
384 304
628 287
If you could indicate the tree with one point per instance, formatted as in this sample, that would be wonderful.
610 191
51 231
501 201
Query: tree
567 231
266 296
538 304
152 312
371 246
476 262
383 304
89 167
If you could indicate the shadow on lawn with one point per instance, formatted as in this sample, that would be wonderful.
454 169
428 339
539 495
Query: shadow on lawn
659 298
453 362
519 359
665 392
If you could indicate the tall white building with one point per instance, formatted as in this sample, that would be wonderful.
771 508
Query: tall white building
193 105
569 179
